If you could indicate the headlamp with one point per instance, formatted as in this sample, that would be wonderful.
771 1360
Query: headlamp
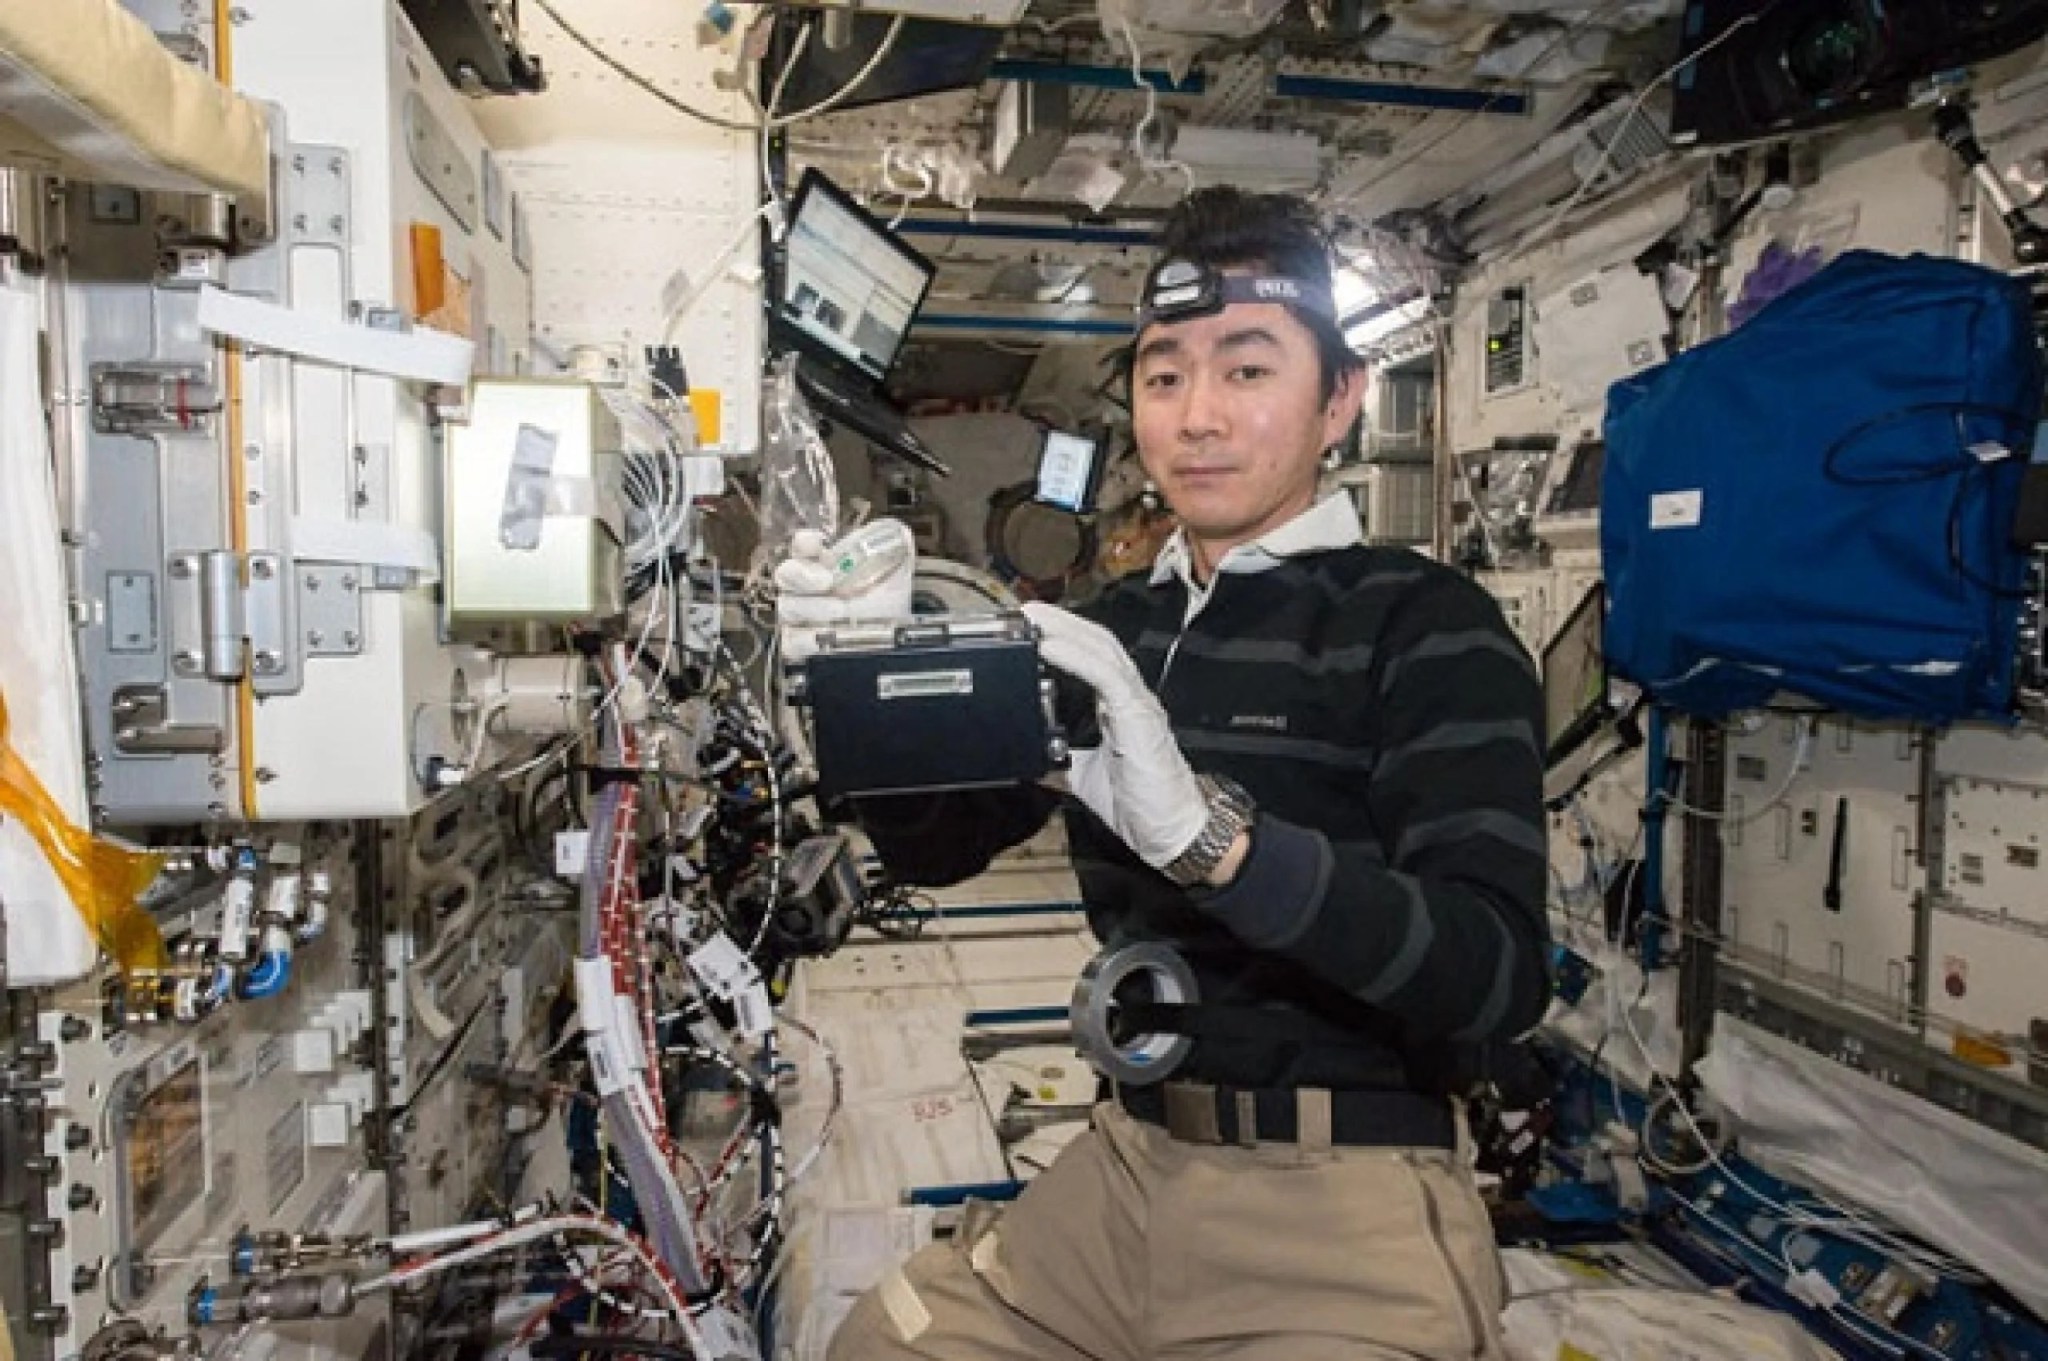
1179 290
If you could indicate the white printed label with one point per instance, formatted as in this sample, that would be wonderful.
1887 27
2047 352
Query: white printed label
1676 509
572 853
753 1012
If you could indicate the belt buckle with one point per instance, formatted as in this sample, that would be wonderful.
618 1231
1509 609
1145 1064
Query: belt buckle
1191 1112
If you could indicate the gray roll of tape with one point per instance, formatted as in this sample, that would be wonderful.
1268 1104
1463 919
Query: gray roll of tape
1134 1060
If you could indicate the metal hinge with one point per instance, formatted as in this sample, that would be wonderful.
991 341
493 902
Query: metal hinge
232 617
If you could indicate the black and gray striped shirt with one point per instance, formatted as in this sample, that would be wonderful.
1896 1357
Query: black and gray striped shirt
1388 724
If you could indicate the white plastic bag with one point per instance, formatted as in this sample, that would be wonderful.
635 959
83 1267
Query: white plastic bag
799 487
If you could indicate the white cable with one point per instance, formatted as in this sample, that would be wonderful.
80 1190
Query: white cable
1152 163
1586 184
769 211
632 77
607 1229
852 86
1802 753
1853 1226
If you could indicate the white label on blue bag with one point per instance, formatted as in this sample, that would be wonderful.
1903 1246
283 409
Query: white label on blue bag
1676 509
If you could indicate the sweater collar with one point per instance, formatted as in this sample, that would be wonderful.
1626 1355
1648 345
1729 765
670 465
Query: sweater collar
1329 524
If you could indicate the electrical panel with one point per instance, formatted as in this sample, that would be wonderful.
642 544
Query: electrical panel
1507 365
185 1112
1822 868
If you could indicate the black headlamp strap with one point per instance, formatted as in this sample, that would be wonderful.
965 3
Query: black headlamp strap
1181 289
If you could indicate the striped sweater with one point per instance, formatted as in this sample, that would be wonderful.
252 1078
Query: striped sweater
1391 911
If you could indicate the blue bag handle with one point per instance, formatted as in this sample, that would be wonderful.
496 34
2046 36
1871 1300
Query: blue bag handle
1964 459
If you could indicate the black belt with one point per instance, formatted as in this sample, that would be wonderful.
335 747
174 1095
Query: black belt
1198 1112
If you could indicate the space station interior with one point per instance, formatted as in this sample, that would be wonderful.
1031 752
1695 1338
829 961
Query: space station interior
511 511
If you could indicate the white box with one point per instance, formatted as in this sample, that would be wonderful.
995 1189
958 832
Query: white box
534 517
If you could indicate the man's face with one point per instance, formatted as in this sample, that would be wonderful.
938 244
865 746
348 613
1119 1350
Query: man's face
1231 422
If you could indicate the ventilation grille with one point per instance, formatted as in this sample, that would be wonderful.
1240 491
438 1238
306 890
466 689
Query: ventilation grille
1618 143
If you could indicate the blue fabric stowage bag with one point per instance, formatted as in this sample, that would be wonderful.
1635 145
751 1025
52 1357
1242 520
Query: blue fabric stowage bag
1821 502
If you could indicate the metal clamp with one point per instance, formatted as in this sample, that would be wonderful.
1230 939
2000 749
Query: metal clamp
1151 971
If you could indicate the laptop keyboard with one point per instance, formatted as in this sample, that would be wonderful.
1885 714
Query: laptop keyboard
871 416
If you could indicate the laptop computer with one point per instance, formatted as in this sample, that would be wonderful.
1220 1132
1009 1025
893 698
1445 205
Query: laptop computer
848 292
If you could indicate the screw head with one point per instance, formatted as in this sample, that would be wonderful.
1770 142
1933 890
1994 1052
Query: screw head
351 638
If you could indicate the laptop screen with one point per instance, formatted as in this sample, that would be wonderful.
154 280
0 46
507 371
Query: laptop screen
849 285
1575 699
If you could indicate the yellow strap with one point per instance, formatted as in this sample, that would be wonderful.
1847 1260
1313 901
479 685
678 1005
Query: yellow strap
104 879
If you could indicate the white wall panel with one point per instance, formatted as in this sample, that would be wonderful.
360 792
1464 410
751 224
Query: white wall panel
1779 862
632 204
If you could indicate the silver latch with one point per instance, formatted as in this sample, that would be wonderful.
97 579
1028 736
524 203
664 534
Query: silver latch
153 399
142 724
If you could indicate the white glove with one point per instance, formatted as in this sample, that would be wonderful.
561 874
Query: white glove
1136 781
865 577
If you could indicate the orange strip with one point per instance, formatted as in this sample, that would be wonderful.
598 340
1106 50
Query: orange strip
238 481
223 55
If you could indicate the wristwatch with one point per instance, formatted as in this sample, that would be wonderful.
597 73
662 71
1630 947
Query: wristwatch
1230 813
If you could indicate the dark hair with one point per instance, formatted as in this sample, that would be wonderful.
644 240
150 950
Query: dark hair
1225 228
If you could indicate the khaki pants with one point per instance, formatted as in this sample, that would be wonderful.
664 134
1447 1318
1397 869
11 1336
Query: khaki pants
1133 1246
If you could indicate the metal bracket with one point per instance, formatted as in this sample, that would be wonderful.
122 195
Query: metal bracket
369 479
439 161
142 726
331 610
271 612
153 399
131 613
184 617
317 196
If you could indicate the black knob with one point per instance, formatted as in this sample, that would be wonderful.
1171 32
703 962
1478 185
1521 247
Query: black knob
81 1196
51 1318
85 1277
73 1029
77 1137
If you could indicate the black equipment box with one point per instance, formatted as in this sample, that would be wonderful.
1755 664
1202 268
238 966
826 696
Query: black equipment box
929 706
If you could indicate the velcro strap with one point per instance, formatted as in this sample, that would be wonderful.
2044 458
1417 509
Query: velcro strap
1199 1113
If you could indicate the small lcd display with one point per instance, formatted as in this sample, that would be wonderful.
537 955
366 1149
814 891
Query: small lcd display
1066 471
